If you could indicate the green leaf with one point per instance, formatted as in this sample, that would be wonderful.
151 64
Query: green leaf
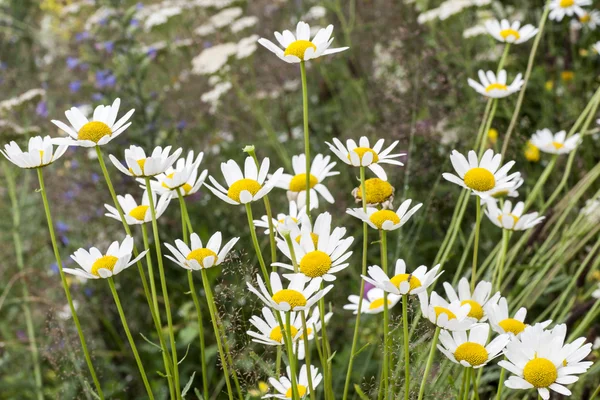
151 342
360 393
187 386
198 395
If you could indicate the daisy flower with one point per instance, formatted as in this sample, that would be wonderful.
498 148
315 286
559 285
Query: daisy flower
270 332
501 322
243 188
138 165
511 218
313 323
500 193
137 215
482 176
589 19
197 256
97 132
297 297
470 350
374 302
320 253
402 282
495 86
182 178
554 143
386 220
283 385
300 48
560 8
505 32
94 265
296 184
294 213
378 193
452 316
477 300
540 359
363 155
40 152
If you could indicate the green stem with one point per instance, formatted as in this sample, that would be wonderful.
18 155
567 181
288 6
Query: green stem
307 356
386 318
259 255
291 356
596 393
503 58
140 365
468 385
476 242
406 347
63 278
432 352
150 269
306 134
500 383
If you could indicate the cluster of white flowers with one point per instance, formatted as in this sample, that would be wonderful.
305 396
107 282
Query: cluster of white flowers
24 98
450 8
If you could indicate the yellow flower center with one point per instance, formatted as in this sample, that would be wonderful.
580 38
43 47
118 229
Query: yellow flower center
361 151
473 353
413 281
237 187
301 392
293 297
141 163
277 335
532 153
378 303
500 194
94 131
200 254
443 310
567 76
313 236
585 18
480 179
540 372
378 191
186 186
315 263
298 182
379 217
298 48
558 145
104 262
139 212
496 86
505 33
493 135
567 3
511 325
476 309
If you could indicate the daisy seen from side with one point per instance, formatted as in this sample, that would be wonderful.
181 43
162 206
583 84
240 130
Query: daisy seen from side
386 220
403 282
511 218
138 214
197 256
471 349
40 152
495 86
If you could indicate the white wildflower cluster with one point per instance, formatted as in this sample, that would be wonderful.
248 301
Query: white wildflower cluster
449 8
24 98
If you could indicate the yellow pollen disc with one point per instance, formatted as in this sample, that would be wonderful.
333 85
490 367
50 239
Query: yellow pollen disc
277 335
237 187
308 331
379 217
139 212
298 48
476 309
558 145
532 153
505 33
473 353
378 303
313 236
293 297
443 310
315 263
361 151
301 392
496 86
511 325
104 262
585 18
567 3
480 179
141 163
500 194
378 191
94 131
413 281
298 182
200 254
540 372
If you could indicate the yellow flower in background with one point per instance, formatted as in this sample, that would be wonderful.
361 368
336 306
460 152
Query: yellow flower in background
261 389
549 85
531 152
567 76
584 52
493 136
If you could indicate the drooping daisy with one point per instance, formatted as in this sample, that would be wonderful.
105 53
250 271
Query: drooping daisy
283 385
140 165
374 302
590 20
197 256
540 359
470 350
378 193
496 194
320 253
505 32
270 332
386 220
97 132
182 178
511 218
482 176
560 8
452 316
477 300
40 152
137 215
296 184
554 143
366 156
495 86
294 213
501 322
94 265
402 282
243 188
300 48
297 297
